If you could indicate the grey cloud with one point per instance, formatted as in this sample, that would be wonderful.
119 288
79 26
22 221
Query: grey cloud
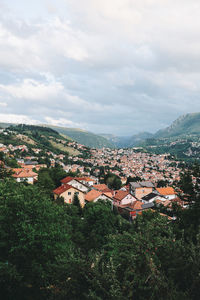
104 66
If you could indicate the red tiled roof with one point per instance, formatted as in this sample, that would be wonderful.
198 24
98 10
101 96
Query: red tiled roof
101 187
23 173
108 194
61 189
92 195
67 179
166 191
121 195
84 178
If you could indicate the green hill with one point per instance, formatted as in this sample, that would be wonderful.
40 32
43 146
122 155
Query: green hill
83 137
80 136
41 137
188 124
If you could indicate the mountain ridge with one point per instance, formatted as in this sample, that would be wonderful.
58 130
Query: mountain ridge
185 125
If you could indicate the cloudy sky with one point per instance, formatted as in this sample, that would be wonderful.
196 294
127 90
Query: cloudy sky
112 66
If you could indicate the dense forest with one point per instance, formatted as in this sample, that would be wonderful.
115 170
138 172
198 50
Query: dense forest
52 250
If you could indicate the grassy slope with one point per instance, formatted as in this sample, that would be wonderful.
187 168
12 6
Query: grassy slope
63 148
83 137
44 138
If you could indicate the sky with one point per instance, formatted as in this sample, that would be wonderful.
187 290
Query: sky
117 66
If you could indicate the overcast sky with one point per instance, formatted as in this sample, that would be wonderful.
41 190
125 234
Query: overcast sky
107 66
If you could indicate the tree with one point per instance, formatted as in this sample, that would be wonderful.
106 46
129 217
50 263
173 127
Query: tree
76 202
186 184
4 172
133 179
162 183
146 262
34 241
113 181
99 221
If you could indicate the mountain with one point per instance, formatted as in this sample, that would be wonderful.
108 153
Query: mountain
127 141
185 126
83 137
188 124
181 139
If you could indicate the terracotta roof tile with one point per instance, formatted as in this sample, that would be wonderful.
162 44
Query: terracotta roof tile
92 195
120 195
67 179
23 173
61 189
101 187
166 191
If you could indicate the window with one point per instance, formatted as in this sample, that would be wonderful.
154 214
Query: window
76 193
69 193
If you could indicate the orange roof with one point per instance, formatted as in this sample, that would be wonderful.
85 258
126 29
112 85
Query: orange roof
120 195
101 187
92 195
108 194
166 191
61 189
23 173
85 179
67 179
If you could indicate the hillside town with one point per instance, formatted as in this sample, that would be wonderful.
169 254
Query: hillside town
139 172
121 162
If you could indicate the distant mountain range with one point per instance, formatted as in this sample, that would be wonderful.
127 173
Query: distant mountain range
127 141
185 125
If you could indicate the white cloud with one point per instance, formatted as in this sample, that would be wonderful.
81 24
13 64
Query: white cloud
14 118
32 90
64 122
3 104
101 61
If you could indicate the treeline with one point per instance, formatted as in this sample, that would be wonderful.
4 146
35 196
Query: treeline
24 127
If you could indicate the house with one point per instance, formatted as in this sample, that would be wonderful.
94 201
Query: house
87 181
141 189
94 196
73 181
101 187
168 192
68 192
24 175
150 198
132 210
123 198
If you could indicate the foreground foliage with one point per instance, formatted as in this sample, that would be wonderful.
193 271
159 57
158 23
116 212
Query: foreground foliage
52 250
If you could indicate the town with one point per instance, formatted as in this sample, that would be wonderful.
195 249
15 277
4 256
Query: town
144 179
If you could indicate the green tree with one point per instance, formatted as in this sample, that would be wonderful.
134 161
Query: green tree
76 202
113 181
99 221
186 184
34 242
147 262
